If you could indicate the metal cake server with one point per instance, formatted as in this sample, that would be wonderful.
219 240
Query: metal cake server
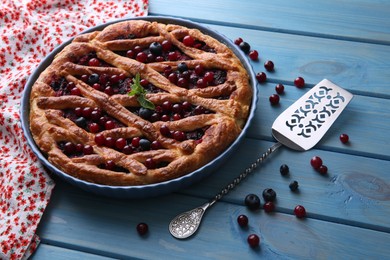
299 127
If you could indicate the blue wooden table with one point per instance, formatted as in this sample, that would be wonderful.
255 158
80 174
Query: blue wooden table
348 210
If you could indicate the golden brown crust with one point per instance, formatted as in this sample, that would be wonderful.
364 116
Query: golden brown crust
50 127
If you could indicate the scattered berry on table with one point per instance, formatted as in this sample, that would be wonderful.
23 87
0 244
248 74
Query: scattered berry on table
274 99
142 228
269 206
269 195
284 170
323 169
299 82
293 186
269 65
254 55
279 89
261 77
300 211
344 138
245 47
252 201
316 162
253 240
242 220
238 41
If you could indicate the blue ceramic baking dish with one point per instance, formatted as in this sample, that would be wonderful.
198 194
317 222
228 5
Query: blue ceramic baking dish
151 190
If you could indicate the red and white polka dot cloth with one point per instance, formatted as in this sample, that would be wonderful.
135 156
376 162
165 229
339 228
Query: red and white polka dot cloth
30 30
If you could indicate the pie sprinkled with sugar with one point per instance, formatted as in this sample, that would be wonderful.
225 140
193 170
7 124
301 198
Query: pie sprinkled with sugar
138 103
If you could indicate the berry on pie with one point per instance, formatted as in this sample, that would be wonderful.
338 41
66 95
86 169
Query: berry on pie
138 103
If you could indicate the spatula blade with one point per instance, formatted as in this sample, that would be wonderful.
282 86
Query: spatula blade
304 123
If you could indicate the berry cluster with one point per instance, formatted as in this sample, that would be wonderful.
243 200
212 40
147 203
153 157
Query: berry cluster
195 77
316 163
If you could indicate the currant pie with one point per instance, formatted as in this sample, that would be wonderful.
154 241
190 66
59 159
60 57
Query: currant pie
139 102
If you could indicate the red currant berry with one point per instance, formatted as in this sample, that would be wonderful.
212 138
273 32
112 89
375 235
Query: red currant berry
120 143
130 54
142 228
142 57
323 169
84 78
114 78
201 83
97 86
150 163
70 85
135 141
109 91
254 55
299 82
94 62
87 111
261 77
79 148
94 127
109 125
144 82
300 211
344 138
253 240
274 99
87 149
164 130
172 56
100 139
179 136
188 41
316 162
109 142
173 78
269 206
182 82
165 118
128 149
242 220
166 45
199 70
75 91
209 77
156 145
279 89
78 111
137 49
269 65
110 165
69 148
238 41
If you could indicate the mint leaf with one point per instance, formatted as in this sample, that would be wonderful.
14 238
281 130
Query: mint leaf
145 103
140 92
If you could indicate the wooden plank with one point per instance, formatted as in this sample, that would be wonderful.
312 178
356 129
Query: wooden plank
75 219
359 67
352 195
363 20
366 120
49 252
